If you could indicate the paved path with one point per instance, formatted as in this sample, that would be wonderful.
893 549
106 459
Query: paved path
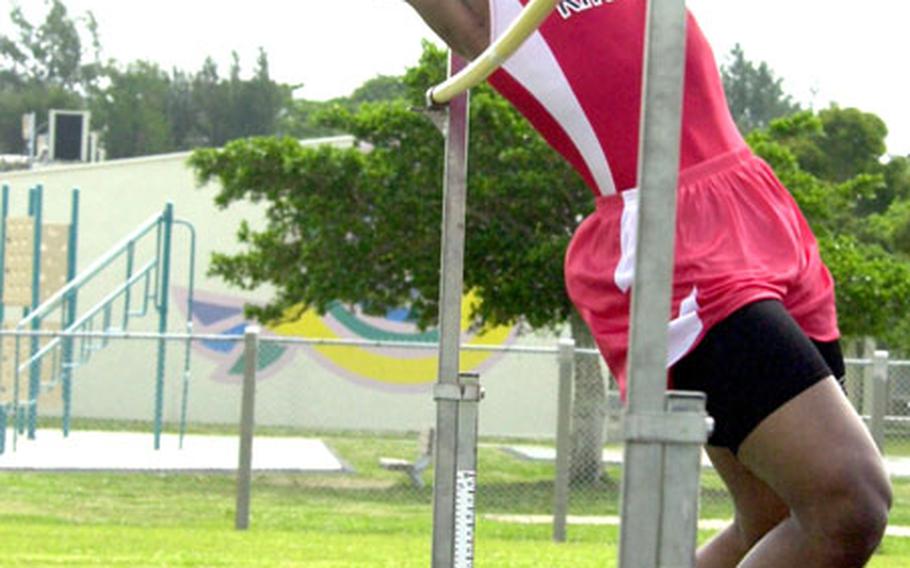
134 451
897 466
611 520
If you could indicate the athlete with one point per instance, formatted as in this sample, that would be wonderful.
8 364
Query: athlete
753 322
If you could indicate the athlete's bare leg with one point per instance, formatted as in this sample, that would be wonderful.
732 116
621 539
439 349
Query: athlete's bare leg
758 510
816 454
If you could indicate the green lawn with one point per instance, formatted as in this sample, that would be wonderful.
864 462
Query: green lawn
105 520
367 518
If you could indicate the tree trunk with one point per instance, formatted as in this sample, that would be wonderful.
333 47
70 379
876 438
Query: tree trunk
589 410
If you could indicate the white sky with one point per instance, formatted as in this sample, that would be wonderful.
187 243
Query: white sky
847 51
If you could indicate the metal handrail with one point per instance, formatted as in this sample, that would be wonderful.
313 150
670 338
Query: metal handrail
64 299
332 342
58 297
88 316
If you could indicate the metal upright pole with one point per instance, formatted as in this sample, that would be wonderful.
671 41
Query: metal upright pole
878 406
5 343
188 346
466 469
247 425
646 423
3 415
34 374
448 391
563 438
70 312
164 290
4 213
681 477
868 378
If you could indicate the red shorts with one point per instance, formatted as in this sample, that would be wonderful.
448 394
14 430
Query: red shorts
740 238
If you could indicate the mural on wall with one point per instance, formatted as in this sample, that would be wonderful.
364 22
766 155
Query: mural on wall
387 367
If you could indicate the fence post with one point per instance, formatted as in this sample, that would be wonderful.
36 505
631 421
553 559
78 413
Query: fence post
2 429
868 380
247 424
566 358
879 403
853 378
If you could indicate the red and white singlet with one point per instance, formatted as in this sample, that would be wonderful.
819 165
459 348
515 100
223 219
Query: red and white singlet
740 236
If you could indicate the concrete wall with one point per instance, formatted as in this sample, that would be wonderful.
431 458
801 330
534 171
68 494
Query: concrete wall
346 388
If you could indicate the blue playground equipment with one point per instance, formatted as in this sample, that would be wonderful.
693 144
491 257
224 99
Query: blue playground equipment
145 282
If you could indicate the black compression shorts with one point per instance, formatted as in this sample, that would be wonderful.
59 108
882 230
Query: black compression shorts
751 364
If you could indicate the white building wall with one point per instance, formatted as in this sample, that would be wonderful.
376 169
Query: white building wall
301 388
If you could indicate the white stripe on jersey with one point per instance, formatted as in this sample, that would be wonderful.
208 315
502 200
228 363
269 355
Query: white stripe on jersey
535 67
686 327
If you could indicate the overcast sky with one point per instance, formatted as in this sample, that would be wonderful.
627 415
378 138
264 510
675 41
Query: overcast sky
851 52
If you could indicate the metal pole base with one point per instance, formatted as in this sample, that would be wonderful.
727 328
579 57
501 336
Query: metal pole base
457 531
676 437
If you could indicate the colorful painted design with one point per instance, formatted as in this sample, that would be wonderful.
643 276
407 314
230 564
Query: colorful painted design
223 315
381 367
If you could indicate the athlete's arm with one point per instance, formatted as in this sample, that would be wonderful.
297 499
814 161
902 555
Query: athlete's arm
463 24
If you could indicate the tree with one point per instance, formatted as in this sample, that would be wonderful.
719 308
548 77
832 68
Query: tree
210 104
52 53
139 107
134 111
853 141
837 143
260 101
45 66
363 226
379 88
755 95
302 119
231 108
17 99
861 250
181 112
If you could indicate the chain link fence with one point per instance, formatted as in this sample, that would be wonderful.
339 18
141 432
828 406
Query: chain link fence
357 417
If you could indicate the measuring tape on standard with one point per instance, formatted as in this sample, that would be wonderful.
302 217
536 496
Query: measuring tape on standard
465 490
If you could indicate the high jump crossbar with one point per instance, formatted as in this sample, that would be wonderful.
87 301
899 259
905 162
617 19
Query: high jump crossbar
531 17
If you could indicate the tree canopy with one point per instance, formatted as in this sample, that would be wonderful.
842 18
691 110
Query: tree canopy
755 95
859 210
44 66
138 107
362 209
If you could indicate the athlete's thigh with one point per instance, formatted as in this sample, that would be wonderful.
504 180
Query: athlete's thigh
758 508
813 447
749 365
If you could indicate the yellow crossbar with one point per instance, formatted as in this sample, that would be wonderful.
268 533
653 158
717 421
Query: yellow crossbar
487 62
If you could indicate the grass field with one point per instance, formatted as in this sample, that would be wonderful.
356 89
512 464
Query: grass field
367 518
